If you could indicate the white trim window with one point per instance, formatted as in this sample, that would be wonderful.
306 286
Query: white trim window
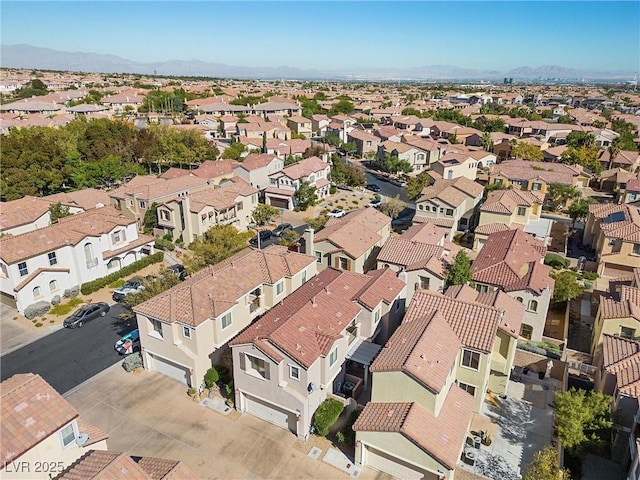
333 357
279 287
294 372
156 328
186 331
470 359
225 320
22 268
258 366
53 260
67 435
471 389
533 306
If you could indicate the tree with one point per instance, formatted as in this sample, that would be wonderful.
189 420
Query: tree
579 210
263 213
152 287
393 207
526 151
581 139
57 210
459 272
215 245
545 466
416 184
566 286
151 218
355 175
393 164
317 223
234 151
582 419
560 193
486 142
305 196
614 149
585 156
289 237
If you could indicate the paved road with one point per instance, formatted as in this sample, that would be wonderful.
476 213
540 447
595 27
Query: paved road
389 190
67 357
274 240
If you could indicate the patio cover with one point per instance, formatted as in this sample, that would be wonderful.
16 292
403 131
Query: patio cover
363 352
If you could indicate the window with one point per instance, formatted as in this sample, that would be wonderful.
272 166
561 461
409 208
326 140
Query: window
333 356
424 282
344 263
533 305
294 372
468 388
537 186
142 204
118 236
22 268
498 181
449 212
88 255
304 276
526 331
53 286
636 248
53 260
627 332
441 210
420 207
226 320
520 299
612 242
470 359
3 269
522 211
186 332
318 257
279 287
157 328
37 292
67 435
165 215
482 288
376 316
259 366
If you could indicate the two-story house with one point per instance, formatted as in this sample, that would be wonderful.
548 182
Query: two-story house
256 168
430 378
432 149
613 231
40 265
300 125
455 165
451 204
351 242
284 183
298 354
418 158
618 314
319 124
420 256
631 192
506 209
183 330
39 426
512 261
190 216
365 142
24 215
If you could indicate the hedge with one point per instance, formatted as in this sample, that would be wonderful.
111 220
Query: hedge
556 261
95 285
165 244
326 415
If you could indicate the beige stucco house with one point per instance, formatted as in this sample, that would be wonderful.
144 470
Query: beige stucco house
183 330
255 168
455 165
284 183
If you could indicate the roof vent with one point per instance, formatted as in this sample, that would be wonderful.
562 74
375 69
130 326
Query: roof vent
82 439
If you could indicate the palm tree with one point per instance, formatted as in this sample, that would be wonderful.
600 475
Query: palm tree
486 142
614 150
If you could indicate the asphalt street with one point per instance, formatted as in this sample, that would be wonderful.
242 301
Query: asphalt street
68 357
274 240
389 190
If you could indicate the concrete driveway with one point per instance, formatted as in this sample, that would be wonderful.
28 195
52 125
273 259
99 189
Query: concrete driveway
148 414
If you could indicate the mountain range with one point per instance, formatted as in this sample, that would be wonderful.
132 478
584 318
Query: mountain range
27 56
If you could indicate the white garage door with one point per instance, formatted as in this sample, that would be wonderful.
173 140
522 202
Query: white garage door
170 369
395 467
271 413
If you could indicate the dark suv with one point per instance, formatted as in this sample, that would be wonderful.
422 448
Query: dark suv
264 235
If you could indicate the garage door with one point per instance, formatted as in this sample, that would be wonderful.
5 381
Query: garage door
170 369
395 467
279 203
271 413
8 300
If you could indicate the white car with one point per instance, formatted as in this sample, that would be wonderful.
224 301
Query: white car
375 203
336 213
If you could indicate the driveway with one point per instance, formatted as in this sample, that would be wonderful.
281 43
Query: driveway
149 414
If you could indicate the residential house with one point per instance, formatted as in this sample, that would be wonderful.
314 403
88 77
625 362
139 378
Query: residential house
183 331
190 216
341 126
431 376
625 159
510 208
451 204
40 428
433 150
631 192
351 242
284 183
80 200
24 215
215 171
618 314
96 464
277 108
259 130
43 264
300 125
455 165
512 261
417 158
256 168
421 256
605 137
124 102
314 345
319 124
387 132
613 232
365 142
615 180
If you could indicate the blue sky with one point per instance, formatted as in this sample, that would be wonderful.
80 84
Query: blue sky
336 35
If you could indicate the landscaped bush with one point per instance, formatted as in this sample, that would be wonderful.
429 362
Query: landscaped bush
211 377
132 362
590 276
66 308
223 373
540 349
95 285
117 284
71 292
332 189
37 309
348 435
163 244
326 415
556 261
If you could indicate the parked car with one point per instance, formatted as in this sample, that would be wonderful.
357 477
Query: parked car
85 314
336 213
264 235
280 229
344 187
398 182
375 203
129 343
133 285
178 270
373 187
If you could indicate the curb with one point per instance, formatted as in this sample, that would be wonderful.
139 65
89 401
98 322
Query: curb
80 385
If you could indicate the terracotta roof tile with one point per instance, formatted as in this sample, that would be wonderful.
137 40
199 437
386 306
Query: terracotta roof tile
22 211
621 357
356 232
506 201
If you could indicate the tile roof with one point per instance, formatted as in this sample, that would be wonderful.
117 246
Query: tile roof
87 198
452 192
527 170
22 211
512 260
258 160
213 290
506 201
618 221
490 228
426 349
414 255
425 233
31 411
621 357
309 321
304 168
356 232
68 231
221 198
215 168
441 437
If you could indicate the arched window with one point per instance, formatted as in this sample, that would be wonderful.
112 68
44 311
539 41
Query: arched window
53 286
526 331
37 292
520 299
533 305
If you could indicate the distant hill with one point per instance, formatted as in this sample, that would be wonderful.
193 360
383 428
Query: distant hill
27 56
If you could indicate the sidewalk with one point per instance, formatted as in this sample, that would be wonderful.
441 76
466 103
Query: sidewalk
14 334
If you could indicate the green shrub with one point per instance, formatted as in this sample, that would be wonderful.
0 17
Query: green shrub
95 285
332 189
65 308
117 284
340 437
347 432
590 276
163 244
228 387
223 373
132 362
211 377
556 261
36 309
38 324
326 415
